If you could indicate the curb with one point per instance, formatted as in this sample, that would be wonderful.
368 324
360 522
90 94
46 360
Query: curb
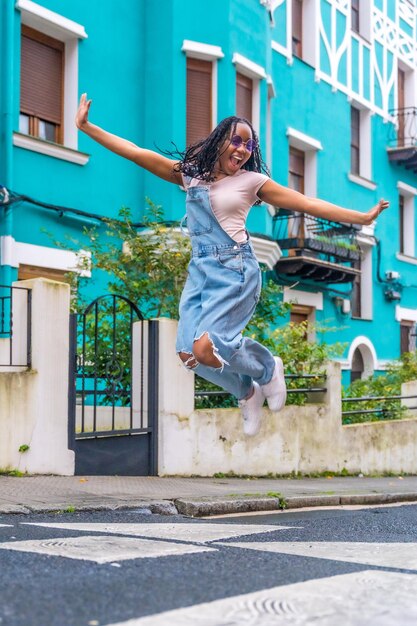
207 507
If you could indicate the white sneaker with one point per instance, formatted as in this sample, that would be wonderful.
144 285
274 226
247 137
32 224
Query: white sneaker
252 411
275 391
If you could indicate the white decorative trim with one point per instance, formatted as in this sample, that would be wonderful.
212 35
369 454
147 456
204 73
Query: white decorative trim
301 141
15 253
271 88
368 353
50 149
363 182
401 313
406 190
203 51
368 230
248 67
406 258
49 22
304 298
278 48
267 251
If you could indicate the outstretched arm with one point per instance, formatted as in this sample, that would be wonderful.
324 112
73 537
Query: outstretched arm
280 196
156 163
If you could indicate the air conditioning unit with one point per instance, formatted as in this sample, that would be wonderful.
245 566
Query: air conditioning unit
391 275
392 294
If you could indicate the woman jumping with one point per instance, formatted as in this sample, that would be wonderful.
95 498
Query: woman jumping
224 176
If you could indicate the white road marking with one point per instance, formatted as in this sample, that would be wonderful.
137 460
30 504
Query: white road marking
104 549
398 555
6 525
359 599
199 533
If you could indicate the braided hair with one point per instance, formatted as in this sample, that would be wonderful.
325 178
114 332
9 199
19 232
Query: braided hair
199 159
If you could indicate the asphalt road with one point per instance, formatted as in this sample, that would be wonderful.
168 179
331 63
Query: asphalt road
322 567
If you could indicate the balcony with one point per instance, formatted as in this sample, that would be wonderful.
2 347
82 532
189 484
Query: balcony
402 141
315 249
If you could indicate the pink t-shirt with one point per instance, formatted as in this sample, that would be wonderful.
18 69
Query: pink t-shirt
231 198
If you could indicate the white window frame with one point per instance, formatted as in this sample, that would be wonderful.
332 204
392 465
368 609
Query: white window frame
365 20
69 32
15 253
310 36
256 73
408 192
365 147
206 52
310 147
366 245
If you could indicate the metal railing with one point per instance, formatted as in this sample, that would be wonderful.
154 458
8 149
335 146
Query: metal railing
206 394
293 231
15 349
404 133
385 412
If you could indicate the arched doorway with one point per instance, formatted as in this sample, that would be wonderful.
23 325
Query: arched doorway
358 366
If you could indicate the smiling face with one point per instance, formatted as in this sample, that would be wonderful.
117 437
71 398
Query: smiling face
233 158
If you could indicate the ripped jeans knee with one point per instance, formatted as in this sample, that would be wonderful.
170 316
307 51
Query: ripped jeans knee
188 360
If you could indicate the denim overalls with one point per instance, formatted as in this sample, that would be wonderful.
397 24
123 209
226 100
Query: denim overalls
219 298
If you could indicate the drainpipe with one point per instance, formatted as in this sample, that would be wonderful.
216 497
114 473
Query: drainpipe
7 124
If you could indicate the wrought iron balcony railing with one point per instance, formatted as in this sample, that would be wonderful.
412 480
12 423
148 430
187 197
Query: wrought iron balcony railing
402 139
403 133
316 248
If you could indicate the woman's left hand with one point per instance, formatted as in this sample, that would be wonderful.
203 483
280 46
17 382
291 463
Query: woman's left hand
375 211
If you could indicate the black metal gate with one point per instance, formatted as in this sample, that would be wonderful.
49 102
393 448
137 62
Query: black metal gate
113 389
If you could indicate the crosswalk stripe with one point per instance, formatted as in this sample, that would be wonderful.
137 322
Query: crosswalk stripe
104 549
397 555
195 532
357 599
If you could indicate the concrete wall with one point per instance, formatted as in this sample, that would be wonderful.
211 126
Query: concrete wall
303 439
34 403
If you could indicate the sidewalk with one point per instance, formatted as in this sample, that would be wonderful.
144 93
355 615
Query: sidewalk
196 496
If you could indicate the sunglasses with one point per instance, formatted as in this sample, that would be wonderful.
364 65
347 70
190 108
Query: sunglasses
237 141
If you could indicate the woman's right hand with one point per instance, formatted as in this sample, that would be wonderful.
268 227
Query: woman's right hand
81 119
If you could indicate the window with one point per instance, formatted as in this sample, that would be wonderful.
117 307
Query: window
296 182
297 28
355 15
358 366
401 107
49 83
401 222
300 314
406 220
201 94
31 271
356 295
199 99
244 96
41 86
296 170
355 141
407 336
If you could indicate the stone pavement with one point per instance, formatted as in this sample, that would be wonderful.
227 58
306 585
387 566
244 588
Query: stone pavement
196 496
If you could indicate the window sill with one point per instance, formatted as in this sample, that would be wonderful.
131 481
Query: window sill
363 182
361 319
406 258
50 149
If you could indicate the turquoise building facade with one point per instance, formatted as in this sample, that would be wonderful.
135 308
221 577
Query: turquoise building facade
331 88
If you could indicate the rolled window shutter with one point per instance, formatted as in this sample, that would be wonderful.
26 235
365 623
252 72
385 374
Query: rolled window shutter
41 76
199 80
244 88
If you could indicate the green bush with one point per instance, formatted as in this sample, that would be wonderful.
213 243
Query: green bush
384 385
